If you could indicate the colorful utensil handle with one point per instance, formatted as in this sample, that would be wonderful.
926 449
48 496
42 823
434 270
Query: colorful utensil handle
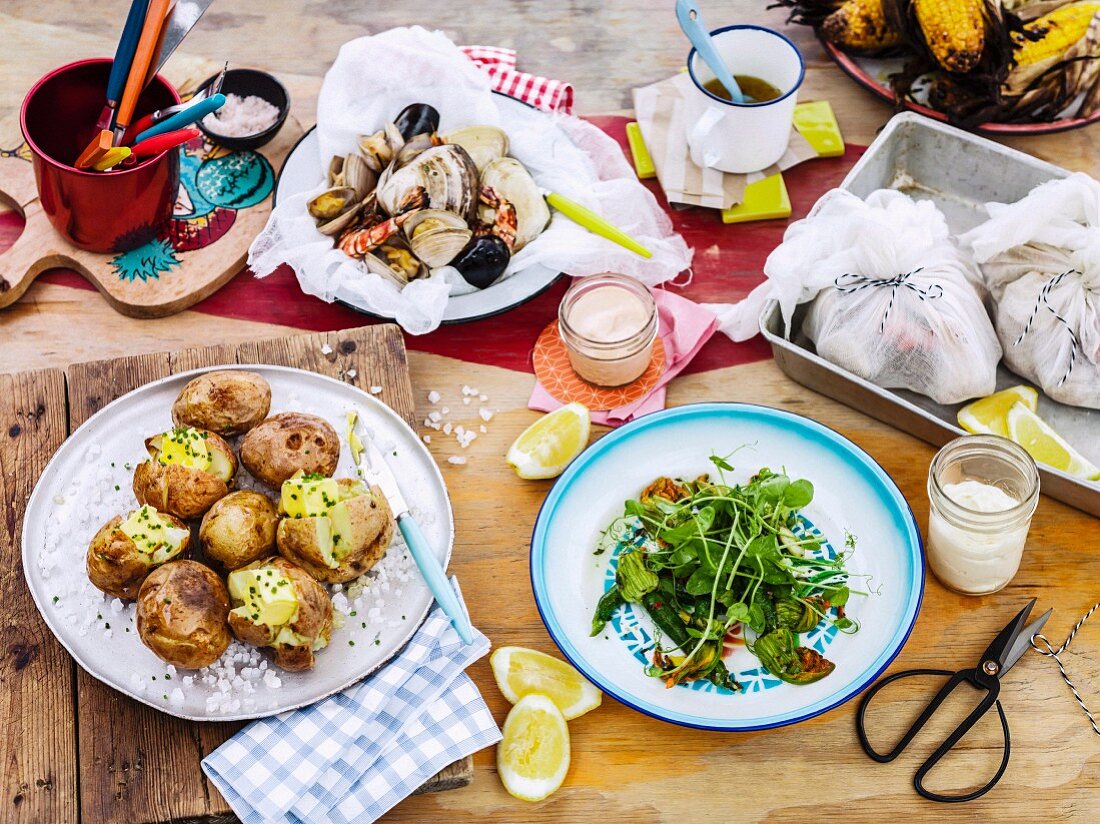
124 54
691 21
112 158
143 56
435 576
191 114
163 142
591 221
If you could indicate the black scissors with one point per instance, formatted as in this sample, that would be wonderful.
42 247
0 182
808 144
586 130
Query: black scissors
1007 648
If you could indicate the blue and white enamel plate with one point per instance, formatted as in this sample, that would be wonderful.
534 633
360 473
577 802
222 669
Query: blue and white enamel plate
854 501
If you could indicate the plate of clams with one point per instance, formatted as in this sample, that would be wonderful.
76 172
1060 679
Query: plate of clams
410 201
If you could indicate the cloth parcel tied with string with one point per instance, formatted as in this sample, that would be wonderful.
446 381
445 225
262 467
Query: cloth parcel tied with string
894 300
371 81
1041 260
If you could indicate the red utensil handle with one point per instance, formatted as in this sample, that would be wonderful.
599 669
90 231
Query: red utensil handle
163 142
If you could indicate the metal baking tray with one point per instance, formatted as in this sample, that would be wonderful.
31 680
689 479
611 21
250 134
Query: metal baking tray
959 172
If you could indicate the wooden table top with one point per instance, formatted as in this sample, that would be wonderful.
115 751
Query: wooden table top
625 765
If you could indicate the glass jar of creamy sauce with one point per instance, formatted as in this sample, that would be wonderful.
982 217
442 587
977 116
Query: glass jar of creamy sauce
982 492
608 324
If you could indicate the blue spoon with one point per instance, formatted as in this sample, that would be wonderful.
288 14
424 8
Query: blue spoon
691 21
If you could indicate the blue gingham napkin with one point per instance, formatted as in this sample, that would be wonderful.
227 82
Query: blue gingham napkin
353 756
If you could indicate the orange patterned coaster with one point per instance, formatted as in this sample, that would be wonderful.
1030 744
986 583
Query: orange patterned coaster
555 373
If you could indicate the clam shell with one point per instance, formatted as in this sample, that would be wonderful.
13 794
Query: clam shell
436 237
358 175
447 175
395 263
338 224
336 171
375 150
484 144
514 183
332 202
413 148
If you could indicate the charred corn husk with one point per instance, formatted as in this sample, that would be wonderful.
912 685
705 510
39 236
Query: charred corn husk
1052 34
954 31
860 25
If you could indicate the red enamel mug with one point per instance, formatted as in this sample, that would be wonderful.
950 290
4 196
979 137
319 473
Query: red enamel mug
100 211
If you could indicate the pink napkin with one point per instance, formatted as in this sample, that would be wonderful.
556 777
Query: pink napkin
684 327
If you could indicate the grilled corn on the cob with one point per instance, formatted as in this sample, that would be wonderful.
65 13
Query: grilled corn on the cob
860 25
1052 34
954 31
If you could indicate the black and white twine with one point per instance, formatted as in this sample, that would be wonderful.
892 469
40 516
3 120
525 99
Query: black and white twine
849 283
1043 300
1051 652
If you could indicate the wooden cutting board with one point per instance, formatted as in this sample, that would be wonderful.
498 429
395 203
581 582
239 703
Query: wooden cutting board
73 748
223 202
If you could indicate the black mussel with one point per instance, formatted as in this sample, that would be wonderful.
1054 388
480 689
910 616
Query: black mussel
417 118
482 261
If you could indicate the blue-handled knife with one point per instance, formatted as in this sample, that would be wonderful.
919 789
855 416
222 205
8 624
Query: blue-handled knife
192 114
120 66
379 475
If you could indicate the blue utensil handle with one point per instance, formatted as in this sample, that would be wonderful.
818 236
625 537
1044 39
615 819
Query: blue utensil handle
188 116
691 21
124 54
435 576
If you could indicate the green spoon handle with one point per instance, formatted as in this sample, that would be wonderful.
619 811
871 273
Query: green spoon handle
591 221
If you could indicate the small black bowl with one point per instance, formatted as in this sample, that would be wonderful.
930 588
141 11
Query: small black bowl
245 82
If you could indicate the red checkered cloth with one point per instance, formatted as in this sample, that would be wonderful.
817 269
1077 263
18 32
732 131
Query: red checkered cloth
541 92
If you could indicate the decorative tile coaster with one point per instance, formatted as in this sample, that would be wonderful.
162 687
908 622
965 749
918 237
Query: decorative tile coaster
554 372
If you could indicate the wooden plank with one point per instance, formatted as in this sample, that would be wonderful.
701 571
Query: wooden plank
140 765
136 764
38 746
366 357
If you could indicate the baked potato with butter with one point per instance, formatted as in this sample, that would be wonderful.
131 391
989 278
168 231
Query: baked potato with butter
125 550
335 529
277 604
187 471
183 614
239 529
228 402
287 443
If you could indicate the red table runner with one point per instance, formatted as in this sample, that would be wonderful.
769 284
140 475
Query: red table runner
728 263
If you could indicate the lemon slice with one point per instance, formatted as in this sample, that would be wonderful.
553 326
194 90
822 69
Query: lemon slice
520 672
989 416
1045 445
533 757
548 445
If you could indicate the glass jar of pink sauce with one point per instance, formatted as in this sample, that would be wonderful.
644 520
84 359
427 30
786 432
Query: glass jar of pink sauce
608 324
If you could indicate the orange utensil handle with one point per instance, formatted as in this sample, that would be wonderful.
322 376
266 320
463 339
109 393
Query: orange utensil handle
143 57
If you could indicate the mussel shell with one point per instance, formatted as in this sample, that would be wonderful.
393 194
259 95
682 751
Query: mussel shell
416 119
332 202
511 181
483 143
447 175
483 261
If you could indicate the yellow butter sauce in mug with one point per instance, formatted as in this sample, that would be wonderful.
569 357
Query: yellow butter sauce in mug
755 89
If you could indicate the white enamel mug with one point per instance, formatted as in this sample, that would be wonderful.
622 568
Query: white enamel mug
743 137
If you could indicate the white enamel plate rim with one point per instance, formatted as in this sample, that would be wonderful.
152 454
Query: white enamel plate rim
302 171
852 491
416 470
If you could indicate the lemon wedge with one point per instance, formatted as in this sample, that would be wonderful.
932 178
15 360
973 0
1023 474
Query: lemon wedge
989 416
520 672
1045 445
548 445
533 756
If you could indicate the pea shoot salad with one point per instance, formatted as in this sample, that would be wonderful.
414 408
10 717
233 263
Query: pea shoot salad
705 559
